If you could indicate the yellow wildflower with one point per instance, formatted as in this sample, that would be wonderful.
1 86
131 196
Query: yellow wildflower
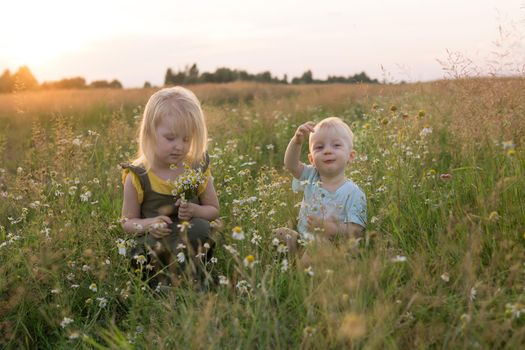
237 233
308 331
184 226
249 261
141 259
494 216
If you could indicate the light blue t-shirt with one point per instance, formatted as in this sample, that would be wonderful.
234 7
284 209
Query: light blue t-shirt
347 203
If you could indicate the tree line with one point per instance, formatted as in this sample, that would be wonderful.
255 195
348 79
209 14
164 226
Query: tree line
23 80
191 75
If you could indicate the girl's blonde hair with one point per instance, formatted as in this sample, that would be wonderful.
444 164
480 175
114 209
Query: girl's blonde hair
182 109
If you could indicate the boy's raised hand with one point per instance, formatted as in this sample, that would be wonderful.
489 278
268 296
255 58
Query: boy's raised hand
302 132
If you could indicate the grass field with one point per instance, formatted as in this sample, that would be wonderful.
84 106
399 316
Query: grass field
442 264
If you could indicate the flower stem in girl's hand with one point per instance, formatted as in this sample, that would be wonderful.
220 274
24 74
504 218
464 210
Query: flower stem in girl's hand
186 185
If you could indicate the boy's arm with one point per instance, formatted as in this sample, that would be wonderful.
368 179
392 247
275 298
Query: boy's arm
348 230
292 161
331 227
354 226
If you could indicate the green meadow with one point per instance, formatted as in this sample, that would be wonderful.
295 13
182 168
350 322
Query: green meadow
441 266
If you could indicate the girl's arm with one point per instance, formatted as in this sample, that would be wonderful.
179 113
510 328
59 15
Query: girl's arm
292 161
207 209
131 221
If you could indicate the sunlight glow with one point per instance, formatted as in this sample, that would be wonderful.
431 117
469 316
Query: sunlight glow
136 41
37 35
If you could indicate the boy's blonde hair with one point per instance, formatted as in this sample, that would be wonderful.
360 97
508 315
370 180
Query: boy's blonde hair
339 126
183 110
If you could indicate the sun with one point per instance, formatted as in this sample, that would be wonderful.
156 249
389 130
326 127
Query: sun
38 32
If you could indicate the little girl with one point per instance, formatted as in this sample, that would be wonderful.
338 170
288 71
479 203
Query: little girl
169 184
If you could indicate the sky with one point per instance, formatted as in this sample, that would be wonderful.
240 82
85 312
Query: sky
136 41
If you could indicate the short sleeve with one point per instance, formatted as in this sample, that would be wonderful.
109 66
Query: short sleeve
136 183
356 208
308 176
204 184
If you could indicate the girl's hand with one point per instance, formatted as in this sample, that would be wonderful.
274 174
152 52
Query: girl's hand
159 228
302 132
186 210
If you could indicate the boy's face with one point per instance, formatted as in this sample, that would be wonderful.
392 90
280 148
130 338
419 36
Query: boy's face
330 152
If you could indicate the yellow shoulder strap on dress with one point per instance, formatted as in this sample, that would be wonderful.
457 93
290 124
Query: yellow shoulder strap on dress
136 183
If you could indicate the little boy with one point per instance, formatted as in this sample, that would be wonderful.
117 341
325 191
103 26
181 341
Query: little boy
332 205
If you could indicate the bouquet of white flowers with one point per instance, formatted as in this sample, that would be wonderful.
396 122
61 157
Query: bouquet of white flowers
186 185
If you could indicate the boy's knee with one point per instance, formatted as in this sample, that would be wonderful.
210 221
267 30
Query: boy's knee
305 261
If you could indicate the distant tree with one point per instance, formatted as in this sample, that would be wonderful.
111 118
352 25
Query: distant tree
67 83
264 77
336 79
179 78
244 75
6 81
115 84
225 75
99 84
364 78
168 77
207 77
147 85
192 74
24 79
306 78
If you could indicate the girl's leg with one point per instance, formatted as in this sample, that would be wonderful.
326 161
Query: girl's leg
203 245
198 246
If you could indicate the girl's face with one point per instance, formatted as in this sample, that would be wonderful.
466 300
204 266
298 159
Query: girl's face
173 144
